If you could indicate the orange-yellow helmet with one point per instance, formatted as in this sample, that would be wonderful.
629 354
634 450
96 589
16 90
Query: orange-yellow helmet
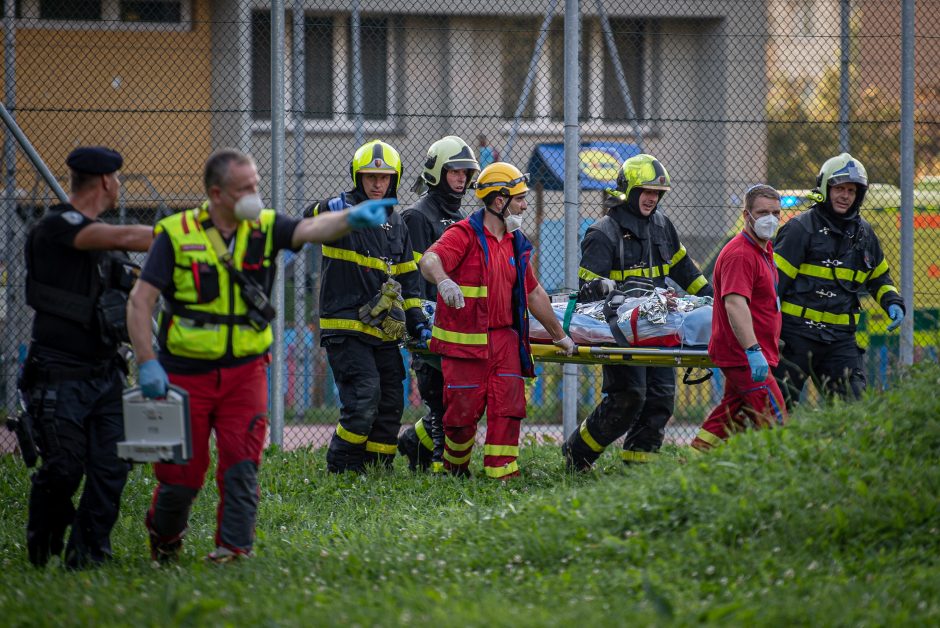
502 178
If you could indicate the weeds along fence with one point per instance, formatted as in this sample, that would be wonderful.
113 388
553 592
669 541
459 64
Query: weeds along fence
725 94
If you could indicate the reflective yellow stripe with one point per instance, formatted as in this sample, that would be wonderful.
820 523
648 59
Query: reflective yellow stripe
643 272
454 459
350 437
417 256
458 446
410 303
458 338
709 438
501 450
616 275
345 323
369 262
815 315
884 290
381 448
697 285
678 256
785 267
880 269
499 472
437 467
638 456
423 435
474 292
587 275
825 272
588 439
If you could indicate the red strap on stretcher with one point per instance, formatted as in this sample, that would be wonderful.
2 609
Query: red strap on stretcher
669 340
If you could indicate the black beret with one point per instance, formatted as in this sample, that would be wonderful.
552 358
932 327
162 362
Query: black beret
94 160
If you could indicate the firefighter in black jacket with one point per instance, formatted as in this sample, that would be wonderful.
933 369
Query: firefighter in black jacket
632 242
448 170
827 257
368 297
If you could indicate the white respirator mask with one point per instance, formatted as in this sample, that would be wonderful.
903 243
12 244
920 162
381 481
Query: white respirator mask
513 222
766 226
248 207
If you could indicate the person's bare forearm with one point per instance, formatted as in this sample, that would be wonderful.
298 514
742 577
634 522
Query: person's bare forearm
324 227
101 236
541 308
432 269
739 316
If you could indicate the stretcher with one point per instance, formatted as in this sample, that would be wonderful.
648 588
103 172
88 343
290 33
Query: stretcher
636 356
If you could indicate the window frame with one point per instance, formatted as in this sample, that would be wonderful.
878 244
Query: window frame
340 122
110 19
593 123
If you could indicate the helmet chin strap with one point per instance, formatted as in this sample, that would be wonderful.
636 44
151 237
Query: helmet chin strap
502 214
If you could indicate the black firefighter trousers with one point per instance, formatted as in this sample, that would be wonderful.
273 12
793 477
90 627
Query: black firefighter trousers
638 401
370 379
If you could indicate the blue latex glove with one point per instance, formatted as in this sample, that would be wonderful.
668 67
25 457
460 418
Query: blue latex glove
372 213
424 336
758 364
153 380
896 312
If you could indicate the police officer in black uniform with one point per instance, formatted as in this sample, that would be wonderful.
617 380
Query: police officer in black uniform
632 243
77 280
449 168
368 298
827 257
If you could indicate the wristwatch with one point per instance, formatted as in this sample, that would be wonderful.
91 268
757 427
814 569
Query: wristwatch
754 347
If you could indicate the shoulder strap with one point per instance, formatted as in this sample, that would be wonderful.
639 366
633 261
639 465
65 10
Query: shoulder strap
609 227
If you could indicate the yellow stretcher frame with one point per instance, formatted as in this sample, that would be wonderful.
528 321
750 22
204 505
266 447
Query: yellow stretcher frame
636 356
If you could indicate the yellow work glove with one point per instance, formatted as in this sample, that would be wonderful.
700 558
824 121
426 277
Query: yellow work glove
393 325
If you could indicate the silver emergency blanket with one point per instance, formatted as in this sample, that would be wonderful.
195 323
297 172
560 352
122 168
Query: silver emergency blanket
662 315
664 318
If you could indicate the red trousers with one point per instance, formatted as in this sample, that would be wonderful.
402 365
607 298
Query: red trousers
745 403
232 403
494 385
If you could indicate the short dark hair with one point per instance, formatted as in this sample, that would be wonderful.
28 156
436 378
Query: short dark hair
761 190
78 181
218 164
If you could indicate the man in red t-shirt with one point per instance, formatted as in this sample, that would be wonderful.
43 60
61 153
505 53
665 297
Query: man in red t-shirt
485 290
746 325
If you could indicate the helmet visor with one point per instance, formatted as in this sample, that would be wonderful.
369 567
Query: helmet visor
514 183
850 173
461 164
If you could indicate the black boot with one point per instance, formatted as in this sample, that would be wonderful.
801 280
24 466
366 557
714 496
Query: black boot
578 456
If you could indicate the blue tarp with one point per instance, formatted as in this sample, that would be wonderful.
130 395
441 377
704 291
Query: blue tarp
599 163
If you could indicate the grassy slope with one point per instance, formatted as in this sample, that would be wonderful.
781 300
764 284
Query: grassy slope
832 521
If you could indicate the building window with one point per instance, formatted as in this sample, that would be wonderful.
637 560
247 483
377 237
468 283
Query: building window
102 14
69 9
629 37
518 38
328 68
159 11
318 70
602 99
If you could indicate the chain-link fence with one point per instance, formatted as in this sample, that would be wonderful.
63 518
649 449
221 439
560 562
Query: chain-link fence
725 93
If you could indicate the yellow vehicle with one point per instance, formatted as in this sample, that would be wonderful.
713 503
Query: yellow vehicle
881 209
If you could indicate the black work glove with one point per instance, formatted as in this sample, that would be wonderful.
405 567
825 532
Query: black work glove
595 290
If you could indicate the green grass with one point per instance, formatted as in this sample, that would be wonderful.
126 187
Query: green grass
833 521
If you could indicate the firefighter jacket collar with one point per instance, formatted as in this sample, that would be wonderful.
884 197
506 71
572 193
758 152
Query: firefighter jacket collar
639 226
437 208
463 333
